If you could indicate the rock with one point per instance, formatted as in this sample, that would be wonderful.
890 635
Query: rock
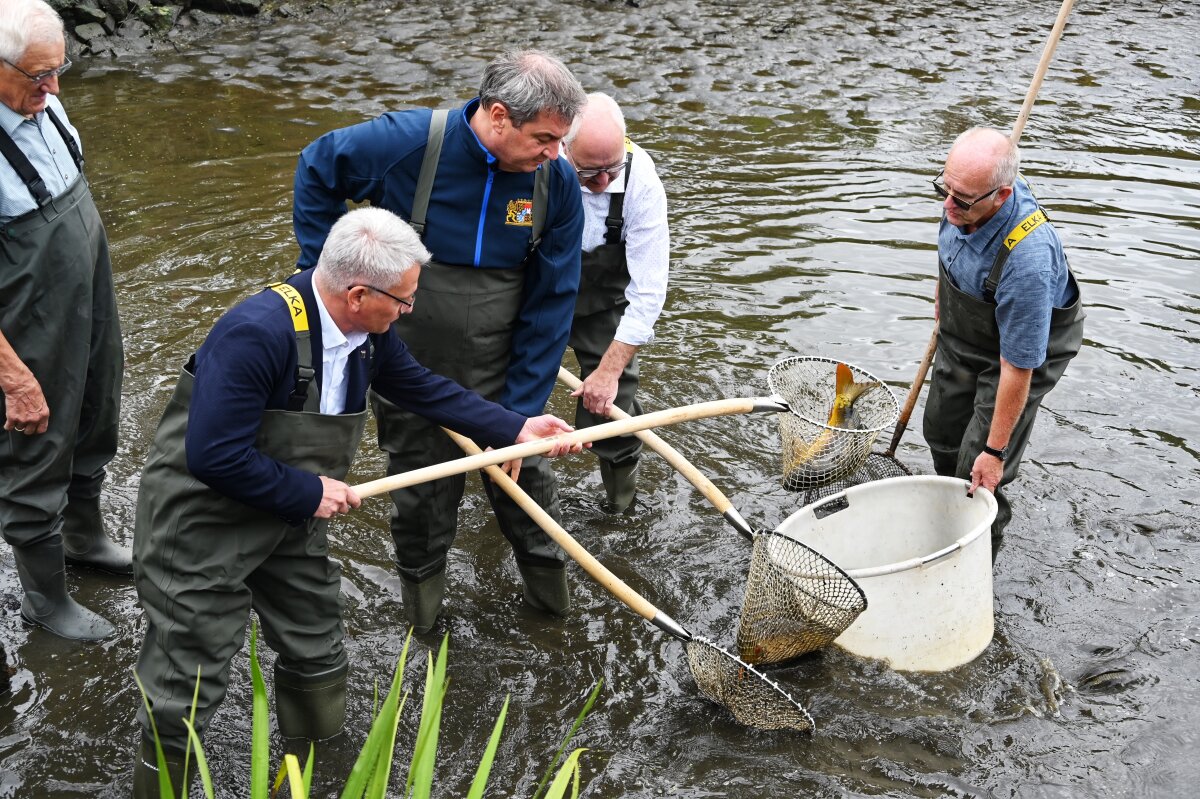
90 33
245 8
158 18
118 8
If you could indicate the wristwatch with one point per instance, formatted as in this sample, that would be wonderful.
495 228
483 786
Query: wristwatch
998 454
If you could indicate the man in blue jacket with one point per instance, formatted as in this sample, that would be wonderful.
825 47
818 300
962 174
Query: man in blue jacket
247 467
503 219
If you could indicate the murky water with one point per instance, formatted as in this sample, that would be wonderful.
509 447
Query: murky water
797 144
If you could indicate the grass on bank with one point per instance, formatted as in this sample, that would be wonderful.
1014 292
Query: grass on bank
371 773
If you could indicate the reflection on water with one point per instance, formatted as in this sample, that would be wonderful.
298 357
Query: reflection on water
796 144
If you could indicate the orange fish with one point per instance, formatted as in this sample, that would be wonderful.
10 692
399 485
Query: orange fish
846 394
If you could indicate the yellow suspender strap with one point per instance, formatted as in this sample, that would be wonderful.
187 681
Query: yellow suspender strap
1027 226
295 302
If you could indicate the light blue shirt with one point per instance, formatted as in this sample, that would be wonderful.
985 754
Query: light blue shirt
39 139
1034 281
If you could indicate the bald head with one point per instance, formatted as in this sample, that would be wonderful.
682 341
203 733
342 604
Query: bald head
597 140
986 153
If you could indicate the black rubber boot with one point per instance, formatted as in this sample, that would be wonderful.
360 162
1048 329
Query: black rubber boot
546 588
145 773
313 708
86 544
620 484
423 601
46 603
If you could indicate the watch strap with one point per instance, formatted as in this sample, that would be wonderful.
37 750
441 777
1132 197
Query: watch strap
999 454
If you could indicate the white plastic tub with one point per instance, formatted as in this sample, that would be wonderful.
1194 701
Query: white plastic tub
920 549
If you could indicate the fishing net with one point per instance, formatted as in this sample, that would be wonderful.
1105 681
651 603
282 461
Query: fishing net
796 601
754 699
877 466
816 453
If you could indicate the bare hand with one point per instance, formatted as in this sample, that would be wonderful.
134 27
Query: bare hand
599 392
337 497
545 426
26 408
512 468
986 471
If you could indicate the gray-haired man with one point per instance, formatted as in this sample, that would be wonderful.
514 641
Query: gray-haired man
503 219
247 466
60 342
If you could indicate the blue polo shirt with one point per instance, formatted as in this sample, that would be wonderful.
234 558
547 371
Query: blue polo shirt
1034 281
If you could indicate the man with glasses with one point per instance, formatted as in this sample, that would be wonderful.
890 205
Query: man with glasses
247 467
1009 316
503 219
623 280
60 340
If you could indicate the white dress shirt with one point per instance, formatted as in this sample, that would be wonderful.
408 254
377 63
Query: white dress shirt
335 357
647 243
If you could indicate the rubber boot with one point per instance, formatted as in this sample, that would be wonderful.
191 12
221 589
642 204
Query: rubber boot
313 708
423 601
46 603
145 773
546 588
620 484
85 542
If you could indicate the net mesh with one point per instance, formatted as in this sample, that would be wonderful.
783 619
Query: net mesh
877 466
797 601
816 453
754 699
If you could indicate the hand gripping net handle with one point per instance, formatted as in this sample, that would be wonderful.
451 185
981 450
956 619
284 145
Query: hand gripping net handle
797 601
816 453
754 699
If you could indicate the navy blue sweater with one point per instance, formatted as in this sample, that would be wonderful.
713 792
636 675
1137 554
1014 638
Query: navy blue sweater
247 365
468 223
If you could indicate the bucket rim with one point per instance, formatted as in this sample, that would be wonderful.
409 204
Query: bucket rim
911 563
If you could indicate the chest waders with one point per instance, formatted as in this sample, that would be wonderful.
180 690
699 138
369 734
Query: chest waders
58 311
966 376
462 327
601 303
204 560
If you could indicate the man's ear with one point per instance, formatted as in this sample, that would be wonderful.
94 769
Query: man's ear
1003 194
498 115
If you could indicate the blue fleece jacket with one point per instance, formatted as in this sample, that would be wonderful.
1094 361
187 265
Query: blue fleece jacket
247 365
477 218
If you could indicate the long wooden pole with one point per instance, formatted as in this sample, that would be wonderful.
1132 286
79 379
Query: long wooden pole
701 410
611 582
678 461
1030 96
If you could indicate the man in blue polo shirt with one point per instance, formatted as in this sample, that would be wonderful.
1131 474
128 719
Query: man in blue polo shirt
1009 312
503 218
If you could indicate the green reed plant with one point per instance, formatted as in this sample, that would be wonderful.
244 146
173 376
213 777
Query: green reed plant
371 772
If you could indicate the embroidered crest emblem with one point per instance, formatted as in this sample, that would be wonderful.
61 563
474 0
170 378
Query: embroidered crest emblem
520 213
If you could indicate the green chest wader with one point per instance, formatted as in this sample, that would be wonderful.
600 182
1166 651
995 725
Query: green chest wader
601 303
966 376
58 310
203 560
461 327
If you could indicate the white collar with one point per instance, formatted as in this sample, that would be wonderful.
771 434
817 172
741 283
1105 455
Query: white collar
331 335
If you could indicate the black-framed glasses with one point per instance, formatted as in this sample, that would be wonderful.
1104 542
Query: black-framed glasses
41 77
611 171
406 303
963 205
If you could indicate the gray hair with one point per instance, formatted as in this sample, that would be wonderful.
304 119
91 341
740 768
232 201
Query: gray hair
1008 162
529 82
369 246
600 103
26 22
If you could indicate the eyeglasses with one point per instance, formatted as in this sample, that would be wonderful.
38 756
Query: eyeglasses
611 171
962 204
406 303
41 77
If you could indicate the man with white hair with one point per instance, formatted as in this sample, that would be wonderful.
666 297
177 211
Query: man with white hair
623 280
61 358
1009 312
247 467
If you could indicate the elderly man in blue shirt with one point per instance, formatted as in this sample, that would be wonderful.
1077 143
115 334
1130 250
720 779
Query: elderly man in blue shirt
1009 313
60 341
